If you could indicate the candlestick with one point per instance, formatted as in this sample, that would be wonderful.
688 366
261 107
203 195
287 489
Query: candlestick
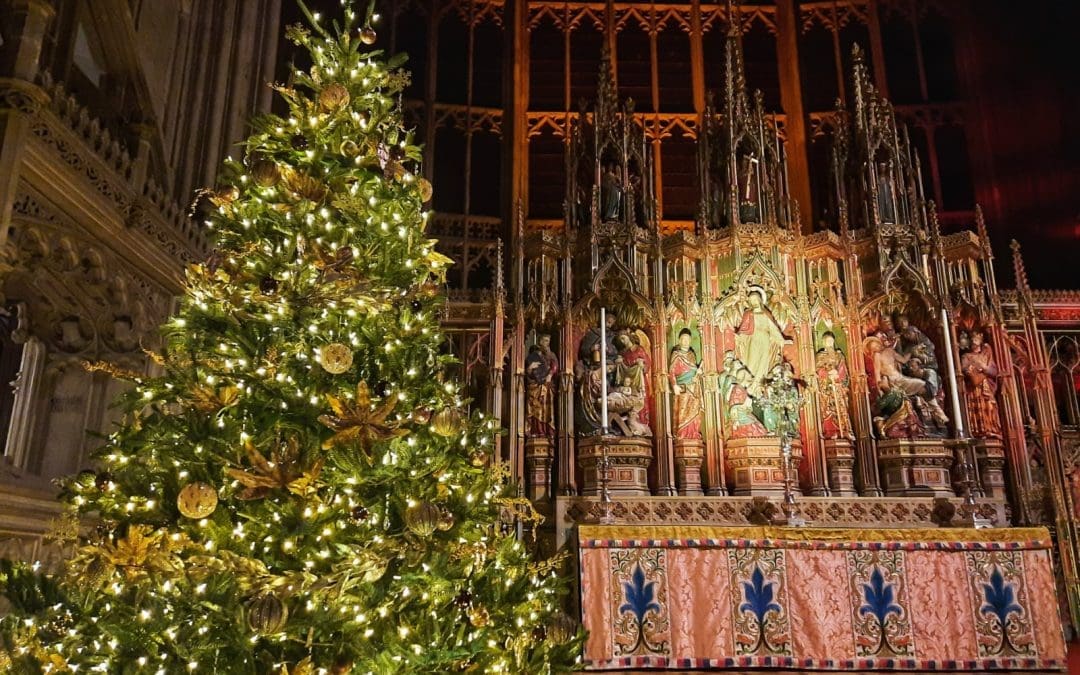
604 466
603 372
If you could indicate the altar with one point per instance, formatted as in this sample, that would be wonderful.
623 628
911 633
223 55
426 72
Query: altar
661 597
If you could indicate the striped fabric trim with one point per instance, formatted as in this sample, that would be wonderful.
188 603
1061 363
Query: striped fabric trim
999 663
1035 544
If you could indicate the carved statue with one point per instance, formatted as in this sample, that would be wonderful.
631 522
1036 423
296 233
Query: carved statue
590 342
728 368
894 416
684 369
886 201
627 374
633 363
590 383
744 423
898 392
980 393
833 389
749 211
541 370
759 340
611 192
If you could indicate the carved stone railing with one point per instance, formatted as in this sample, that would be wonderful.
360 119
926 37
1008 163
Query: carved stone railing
27 513
96 153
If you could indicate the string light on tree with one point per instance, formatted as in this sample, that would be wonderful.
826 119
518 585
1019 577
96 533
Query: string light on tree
332 499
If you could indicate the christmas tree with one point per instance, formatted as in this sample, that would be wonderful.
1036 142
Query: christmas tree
299 491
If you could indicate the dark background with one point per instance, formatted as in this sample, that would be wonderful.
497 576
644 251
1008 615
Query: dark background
1006 70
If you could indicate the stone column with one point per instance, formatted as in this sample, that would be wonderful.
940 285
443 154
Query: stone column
27 21
25 411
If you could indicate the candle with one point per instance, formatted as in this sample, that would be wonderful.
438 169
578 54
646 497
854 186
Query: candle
603 372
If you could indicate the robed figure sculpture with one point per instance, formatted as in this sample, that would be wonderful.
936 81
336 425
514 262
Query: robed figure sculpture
684 370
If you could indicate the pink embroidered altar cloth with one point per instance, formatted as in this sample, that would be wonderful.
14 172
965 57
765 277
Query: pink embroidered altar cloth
808 598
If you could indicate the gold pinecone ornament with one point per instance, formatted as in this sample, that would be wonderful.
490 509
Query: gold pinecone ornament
424 185
478 616
197 500
334 96
561 629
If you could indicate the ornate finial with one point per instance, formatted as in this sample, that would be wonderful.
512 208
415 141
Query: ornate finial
733 20
608 95
984 237
519 253
933 224
1019 271
856 54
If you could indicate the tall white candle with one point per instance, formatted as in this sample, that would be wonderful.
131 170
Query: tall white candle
603 372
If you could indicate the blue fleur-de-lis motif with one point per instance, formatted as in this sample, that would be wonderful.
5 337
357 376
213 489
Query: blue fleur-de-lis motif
879 598
1001 604
640 600
759 602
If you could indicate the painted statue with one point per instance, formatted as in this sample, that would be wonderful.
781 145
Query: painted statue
590 386
590 342
899 391
633 363
728 368
759 340
744 423
541 372
611 192
685 372
980 393
895 417
833 389
625 374
885 198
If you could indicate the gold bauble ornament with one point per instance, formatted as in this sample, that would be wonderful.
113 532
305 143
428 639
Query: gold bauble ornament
349 148
478 458
267 614
336 358
265 173
446 521
423 518
197 500
446 422
333 97
561 628
478 616
424 185
368 35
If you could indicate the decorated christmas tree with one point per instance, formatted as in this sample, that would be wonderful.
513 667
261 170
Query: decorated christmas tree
299 491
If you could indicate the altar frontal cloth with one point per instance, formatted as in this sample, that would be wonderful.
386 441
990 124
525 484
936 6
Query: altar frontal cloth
829 599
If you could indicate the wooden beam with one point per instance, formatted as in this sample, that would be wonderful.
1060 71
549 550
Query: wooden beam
787 51
697 57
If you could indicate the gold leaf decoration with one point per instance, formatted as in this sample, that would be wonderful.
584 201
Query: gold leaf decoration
359 421
209 400
283 472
